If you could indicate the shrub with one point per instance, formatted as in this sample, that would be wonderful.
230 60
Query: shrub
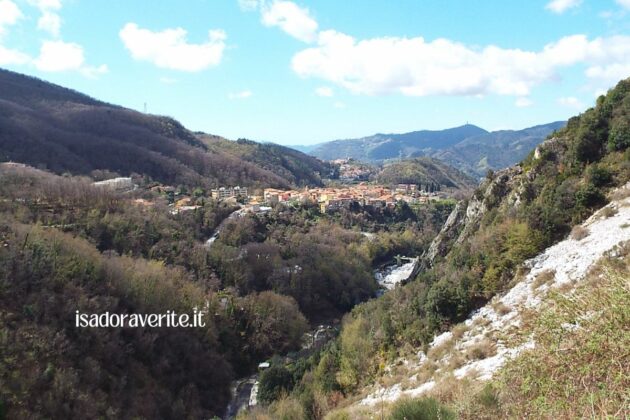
420 409
481 350
274 382
544 277
609 212
578 233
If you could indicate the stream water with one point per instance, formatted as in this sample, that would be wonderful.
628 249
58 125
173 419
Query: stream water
236 213
245 390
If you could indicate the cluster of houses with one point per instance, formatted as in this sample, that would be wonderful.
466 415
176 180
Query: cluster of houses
224 193
334 198
329 199
351 170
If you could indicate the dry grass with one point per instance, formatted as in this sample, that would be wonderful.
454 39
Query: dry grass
481 350
544 277
459 330
501 308
578 233
608 212
620 194
578 373
438 352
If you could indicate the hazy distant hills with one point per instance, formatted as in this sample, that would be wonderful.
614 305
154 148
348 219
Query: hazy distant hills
468 148
48 126
495 150
389 146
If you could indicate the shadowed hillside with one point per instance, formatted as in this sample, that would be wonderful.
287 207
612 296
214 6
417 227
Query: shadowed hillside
294 166
52 127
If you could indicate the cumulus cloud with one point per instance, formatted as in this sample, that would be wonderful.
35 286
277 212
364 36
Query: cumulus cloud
523 102
240 95
12 57
416 67
169 48
561 6
291 18
324 91
50 20
57 56
571 102
10 13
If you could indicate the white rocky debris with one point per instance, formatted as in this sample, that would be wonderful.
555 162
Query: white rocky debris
566 262
391 276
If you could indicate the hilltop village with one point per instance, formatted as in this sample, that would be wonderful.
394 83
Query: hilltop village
328 199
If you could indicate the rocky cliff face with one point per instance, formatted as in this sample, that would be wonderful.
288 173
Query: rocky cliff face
504 186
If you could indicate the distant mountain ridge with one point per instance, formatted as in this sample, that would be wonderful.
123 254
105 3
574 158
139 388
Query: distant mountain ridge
469 148
389 146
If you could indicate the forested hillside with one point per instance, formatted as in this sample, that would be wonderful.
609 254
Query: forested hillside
425 172
390 146
296 167
54 128
67 245
470 149
513 215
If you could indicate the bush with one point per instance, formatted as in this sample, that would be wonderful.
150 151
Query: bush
274 382
578 233
609 212
420 409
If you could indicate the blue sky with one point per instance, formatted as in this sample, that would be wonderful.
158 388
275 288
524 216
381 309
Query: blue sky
309 71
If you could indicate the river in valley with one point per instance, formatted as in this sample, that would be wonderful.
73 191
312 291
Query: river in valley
245 390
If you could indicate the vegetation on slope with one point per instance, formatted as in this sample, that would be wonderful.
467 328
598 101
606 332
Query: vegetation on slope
67 245
393 146
470 149
430 174
519 213
296 167
54 128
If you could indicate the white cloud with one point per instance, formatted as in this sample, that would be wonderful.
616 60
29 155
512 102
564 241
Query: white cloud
523 102
10 13
339 105
561 6
571 102
240 95
168 80
415 67
59 56
624 3
50 22
56 56
609 74
291 18
324 91
12 57
169 49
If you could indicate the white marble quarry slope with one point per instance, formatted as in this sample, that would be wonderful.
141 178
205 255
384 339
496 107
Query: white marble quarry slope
565 263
